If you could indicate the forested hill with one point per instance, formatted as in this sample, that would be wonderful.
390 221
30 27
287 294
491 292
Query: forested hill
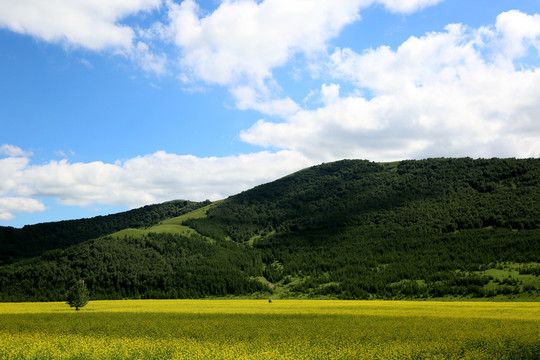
429 196
350 229
32 240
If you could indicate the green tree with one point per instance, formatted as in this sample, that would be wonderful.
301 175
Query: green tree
77 296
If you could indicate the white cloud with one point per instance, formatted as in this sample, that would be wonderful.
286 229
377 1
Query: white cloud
11 205
10 171
242 41
148 61
407 6
444 94
239 44
139 181
330 93
343 128
93 24
515 32
90 24
13 151
247 98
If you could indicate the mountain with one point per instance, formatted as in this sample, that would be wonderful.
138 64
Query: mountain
348 229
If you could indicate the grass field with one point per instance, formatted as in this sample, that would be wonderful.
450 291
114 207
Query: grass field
283 329
171 226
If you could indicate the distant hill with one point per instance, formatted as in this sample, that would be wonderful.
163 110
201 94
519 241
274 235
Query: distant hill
32 240
350 229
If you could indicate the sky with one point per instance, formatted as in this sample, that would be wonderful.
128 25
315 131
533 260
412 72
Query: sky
108 105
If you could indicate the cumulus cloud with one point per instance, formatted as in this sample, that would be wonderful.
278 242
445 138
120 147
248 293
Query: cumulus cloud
139 181
240 43
444 94
515 33
93 24
245 40
10 166
11 205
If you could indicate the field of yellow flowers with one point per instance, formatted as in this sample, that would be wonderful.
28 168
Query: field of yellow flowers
283 329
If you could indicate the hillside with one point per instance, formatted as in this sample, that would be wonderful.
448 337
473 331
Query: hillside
32 240
348 229
430 196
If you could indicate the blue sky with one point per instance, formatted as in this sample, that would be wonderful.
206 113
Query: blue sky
114 104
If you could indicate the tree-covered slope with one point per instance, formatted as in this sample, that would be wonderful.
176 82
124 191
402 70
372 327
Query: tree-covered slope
150 266
435 195
348 229
32 240
358 229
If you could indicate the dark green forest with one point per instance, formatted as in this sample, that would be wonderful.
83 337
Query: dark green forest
33 240
352 229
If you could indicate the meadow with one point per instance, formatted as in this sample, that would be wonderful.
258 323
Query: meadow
283 329
169 226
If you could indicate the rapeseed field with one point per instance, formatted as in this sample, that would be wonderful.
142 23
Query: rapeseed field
283 329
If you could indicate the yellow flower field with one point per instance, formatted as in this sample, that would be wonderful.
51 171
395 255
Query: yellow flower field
284 329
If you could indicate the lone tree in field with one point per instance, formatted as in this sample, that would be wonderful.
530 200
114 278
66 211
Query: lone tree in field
77 296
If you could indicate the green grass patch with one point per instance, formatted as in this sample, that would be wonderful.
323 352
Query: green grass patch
169 226
391 166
